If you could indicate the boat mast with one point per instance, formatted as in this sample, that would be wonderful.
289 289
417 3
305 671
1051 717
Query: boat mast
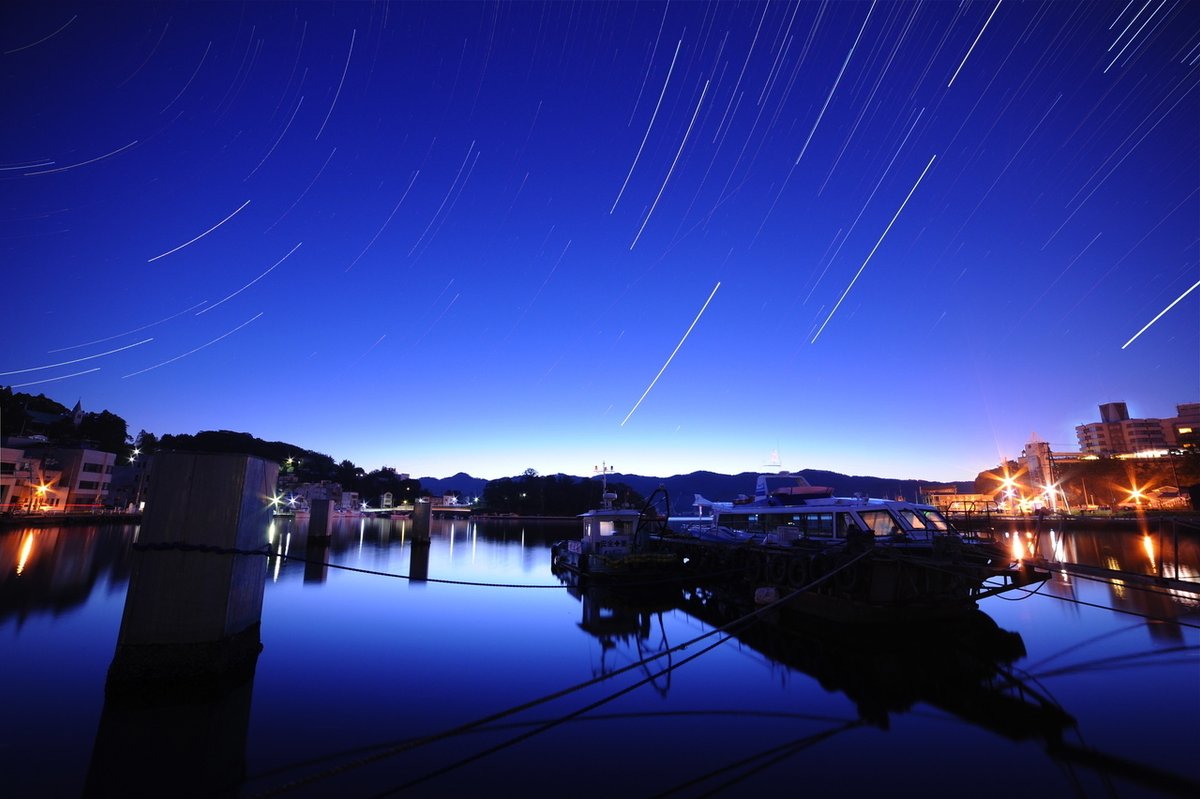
604 470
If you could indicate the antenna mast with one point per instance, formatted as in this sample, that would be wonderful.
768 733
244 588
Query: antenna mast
604 470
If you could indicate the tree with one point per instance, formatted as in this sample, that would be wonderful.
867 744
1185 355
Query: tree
109 431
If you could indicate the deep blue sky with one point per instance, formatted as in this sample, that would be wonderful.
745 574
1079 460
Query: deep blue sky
933 225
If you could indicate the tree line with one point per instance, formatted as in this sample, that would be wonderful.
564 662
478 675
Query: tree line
529 494
532 494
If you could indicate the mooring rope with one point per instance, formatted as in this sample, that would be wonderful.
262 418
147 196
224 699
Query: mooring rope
489 719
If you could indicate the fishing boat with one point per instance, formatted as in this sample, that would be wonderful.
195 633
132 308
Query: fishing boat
618 544
849 558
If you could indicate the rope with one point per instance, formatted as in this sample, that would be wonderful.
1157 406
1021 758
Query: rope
183 546
494 717
770 757
358 570
1116 610
595 717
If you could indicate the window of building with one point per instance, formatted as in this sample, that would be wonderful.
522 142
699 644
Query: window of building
8 467
88 485
93 467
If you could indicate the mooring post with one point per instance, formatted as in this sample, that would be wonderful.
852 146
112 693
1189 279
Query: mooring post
418 562
177 704
199 568
422 512
320 519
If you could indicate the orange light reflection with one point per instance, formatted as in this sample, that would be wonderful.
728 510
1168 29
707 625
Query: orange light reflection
26 551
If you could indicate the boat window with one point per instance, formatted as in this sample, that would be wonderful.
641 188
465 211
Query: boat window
846 524
815 523
880 521
915 520
606 528
936 520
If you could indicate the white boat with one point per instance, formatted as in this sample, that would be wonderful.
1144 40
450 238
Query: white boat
850 557
785 509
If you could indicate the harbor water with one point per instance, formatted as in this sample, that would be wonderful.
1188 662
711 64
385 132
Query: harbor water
464 667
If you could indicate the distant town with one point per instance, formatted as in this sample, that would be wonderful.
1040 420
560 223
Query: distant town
59 460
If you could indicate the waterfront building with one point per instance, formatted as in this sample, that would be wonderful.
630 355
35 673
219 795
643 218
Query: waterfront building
1118 434
38 477
16 477
948 499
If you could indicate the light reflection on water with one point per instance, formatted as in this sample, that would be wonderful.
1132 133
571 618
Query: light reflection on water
354 660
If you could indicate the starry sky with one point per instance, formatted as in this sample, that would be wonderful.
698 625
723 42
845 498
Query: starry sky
885 238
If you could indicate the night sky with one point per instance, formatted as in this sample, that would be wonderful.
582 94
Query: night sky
879 238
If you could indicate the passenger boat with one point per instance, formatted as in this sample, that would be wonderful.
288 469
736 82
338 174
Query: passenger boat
618 544
849 558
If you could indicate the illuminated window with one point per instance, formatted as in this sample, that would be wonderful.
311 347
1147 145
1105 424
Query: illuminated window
880 521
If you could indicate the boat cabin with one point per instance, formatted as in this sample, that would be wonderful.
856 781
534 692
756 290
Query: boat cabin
608 531
836 518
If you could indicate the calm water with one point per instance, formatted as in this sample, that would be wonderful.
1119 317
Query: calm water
363 679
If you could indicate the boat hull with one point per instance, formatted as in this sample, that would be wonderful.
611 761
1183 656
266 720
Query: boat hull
868 584
628 567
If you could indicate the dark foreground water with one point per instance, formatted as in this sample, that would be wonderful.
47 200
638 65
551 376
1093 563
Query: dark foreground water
365 682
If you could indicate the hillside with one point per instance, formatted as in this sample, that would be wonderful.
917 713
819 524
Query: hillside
682 488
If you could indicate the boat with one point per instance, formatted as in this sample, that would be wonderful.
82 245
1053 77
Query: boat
618 544
849 558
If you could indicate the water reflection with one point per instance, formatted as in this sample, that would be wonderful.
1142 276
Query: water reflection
967 668
961 667
174 743
54 569
404 666
1165 550
51 569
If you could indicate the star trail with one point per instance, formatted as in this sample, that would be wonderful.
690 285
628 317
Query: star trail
509 212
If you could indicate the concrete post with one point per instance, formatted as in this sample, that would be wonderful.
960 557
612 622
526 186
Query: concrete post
193 605
422 512
320 519
418 562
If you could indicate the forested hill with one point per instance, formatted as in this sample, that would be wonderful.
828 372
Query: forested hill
682 488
